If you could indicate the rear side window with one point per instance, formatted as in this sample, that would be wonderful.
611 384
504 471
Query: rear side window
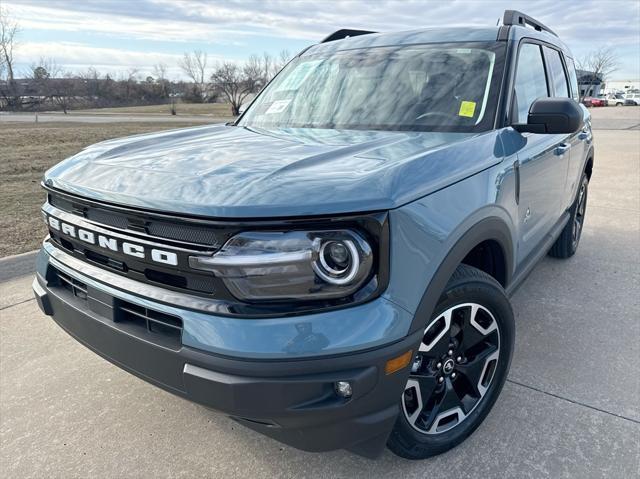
531 82
574 79
556 70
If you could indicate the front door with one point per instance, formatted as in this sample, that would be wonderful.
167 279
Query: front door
543 158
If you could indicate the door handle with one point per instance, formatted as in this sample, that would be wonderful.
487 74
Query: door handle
561 149
584 135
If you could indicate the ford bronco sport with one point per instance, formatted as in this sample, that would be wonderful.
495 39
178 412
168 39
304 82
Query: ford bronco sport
333 268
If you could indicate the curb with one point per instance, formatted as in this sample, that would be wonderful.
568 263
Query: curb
17 265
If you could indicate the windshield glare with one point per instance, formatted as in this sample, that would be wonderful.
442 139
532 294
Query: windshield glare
445 87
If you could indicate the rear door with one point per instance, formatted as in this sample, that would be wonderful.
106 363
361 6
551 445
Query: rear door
580 140
543 158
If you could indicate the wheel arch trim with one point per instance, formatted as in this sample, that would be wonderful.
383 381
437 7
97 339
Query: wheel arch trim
491 228
588 158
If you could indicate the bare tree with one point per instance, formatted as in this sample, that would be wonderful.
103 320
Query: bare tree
130 83
64 91
268 65
284 58
160 72
271 66
41 76
91 80
597 66
253 77
194 66
8 33
8 38
237 83
258 68
50 84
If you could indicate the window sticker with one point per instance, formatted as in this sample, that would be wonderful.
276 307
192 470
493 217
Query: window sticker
417 79
278 107
467 108
296 78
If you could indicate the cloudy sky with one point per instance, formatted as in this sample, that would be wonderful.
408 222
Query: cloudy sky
118 35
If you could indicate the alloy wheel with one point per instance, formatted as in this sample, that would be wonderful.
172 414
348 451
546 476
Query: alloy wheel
453 369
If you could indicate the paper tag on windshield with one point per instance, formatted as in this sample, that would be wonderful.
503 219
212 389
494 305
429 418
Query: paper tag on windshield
278 106
467 108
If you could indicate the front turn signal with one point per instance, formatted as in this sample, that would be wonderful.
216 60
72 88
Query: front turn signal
396 364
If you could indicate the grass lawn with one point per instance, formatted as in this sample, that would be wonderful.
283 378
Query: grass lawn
218 110
26 152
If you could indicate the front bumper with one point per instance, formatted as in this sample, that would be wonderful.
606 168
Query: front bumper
291 400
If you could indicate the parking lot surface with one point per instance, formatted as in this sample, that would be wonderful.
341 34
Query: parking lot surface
569 409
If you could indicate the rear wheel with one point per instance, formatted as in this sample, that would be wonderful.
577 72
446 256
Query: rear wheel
567 243
459 369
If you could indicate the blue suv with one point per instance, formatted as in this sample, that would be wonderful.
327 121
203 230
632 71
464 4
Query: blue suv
333 269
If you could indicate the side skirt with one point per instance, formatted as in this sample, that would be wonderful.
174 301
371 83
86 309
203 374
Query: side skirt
539 252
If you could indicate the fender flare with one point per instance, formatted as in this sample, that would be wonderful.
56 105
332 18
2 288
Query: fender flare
492 228
591 155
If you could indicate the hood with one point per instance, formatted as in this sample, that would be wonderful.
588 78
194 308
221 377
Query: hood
238 172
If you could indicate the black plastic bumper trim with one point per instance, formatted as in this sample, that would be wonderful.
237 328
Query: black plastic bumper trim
291 401
42 298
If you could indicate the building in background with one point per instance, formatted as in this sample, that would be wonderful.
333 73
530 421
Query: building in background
589 83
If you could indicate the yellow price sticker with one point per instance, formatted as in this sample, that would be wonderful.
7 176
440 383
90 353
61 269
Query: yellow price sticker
467 108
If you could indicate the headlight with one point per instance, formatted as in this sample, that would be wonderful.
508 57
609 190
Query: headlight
305 265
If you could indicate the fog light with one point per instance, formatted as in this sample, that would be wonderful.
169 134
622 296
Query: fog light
343 389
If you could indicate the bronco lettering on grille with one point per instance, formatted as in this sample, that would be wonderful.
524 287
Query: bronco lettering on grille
112 244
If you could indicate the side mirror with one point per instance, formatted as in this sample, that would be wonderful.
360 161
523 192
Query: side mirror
553 115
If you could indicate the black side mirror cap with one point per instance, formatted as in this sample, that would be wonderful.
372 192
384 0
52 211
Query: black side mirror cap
554 116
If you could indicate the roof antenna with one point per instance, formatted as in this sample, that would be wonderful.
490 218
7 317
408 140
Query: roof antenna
498 22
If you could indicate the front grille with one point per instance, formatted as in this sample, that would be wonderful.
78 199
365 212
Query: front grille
192 234
195 282
106 218
192 282
181 230
180 237
62 203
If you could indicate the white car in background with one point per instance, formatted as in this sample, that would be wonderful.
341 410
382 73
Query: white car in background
615 99
632 99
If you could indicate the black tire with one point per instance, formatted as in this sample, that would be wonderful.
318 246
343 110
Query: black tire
467 286
568 241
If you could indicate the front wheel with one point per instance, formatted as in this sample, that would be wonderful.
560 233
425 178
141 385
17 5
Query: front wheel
459 369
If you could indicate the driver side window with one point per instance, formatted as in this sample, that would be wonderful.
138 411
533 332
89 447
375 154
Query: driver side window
531 81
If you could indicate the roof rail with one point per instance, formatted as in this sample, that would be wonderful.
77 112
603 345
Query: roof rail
345 33
514 17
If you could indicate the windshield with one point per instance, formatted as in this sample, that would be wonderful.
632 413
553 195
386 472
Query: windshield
443 87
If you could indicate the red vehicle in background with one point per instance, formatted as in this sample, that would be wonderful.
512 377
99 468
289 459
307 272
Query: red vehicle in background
590 101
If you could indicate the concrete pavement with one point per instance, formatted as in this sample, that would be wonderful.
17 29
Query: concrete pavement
616 118
569 409
17 265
